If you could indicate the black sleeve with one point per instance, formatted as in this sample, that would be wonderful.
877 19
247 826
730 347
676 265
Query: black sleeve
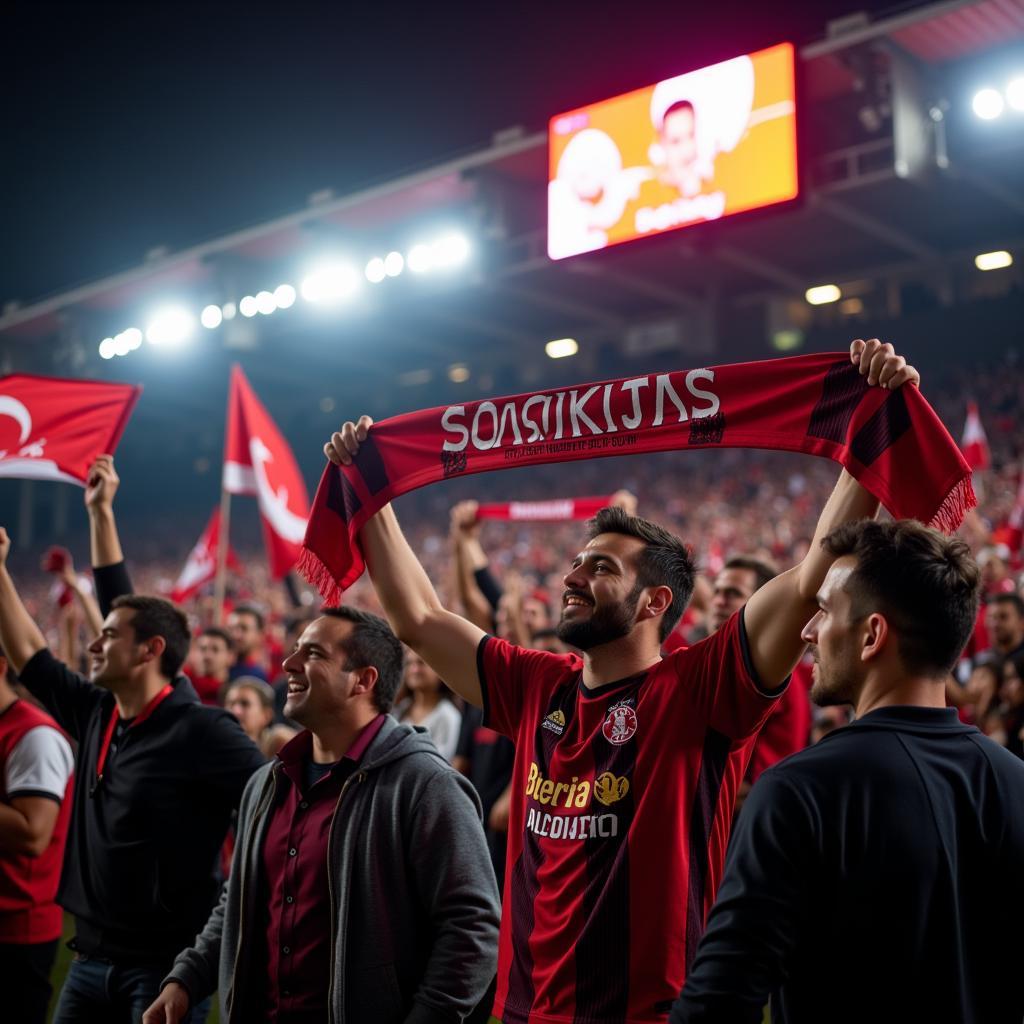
761 912
69 697
228 757
488 586
111 581
472 719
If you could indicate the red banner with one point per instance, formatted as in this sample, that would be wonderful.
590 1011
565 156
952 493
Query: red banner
554 510
258 461
53 429
201 566
974 443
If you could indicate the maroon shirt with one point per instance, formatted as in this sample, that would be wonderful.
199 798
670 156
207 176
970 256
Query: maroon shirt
298 927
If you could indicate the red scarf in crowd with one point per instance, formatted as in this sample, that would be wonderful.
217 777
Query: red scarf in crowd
891 441
554 510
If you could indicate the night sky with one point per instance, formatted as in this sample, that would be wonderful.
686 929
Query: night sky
128 127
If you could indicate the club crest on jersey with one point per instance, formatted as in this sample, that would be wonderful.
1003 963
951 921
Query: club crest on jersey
620 724
555 722
610 788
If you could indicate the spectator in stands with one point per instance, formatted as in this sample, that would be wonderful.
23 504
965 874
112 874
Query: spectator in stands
150 758
246 626
36 765
787 729
214 656
366 848
1004 620
429 705
251 701
1011 705
876 852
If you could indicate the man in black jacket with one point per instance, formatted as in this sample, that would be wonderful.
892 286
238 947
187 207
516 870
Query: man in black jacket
157 778
876 876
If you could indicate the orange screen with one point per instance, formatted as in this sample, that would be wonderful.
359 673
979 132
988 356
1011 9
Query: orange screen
693 148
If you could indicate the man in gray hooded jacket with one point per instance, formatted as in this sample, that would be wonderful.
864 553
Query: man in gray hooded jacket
361 889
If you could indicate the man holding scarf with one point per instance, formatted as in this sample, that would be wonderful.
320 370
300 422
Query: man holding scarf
627 763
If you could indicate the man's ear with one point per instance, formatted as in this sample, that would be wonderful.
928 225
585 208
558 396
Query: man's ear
153 648
875 636
367 680
657 601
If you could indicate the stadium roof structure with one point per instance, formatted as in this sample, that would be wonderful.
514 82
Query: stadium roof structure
902 186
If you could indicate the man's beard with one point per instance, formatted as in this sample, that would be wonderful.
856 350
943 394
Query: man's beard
604 625
834 687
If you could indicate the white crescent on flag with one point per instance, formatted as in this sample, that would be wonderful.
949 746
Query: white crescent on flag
274 504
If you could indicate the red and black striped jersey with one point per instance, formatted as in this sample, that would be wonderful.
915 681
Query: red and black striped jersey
622 803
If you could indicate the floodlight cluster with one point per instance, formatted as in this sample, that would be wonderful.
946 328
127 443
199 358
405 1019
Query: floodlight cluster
328 283
990 103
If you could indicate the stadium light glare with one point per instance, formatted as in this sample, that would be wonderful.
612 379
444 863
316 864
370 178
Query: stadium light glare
420 259
993 260
394 264
561 348
1015 93
330 283
266 303
247 307
132 338
170 326
376 271
229 309
107 348
211 317
987 104
284 296
822 294
458 373
451 250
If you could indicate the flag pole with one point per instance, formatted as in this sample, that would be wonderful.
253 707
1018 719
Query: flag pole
220 582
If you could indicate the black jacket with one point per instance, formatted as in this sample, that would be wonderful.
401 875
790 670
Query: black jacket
141 867
876 877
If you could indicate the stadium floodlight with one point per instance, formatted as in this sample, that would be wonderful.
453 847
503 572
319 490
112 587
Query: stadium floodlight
284 296
993 260
394 264
170 326
1015 93
266 303
823 293
211 317
458 373
247 307
376 271
451 250
229 309
130 338
420 259
987 104
107 348
330 283
561 348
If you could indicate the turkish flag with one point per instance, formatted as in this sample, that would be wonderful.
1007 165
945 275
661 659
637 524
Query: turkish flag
53 429
257 460
201 566
974 443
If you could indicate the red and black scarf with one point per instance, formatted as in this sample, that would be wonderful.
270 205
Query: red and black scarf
891 441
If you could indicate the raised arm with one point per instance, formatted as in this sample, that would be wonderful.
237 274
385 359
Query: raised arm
108 566
445 641
470 558
776 613
90 608
20 637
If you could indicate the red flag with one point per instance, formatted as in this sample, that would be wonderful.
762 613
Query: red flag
257 460
551 511
974 443
53 429
201 566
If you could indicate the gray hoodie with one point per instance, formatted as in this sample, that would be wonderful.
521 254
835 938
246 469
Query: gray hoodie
413 896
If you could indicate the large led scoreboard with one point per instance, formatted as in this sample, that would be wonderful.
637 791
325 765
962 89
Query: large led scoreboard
697 147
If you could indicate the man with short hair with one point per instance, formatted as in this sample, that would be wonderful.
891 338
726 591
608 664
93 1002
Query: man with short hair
361 887
1004 622
888 854
214 656
36 766
158 778
627 763
246 626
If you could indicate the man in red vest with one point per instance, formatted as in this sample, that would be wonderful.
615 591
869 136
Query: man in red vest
36 766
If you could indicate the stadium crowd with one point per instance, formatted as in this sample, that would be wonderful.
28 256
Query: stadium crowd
748 514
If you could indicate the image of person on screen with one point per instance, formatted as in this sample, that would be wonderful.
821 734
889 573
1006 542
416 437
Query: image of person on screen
677 136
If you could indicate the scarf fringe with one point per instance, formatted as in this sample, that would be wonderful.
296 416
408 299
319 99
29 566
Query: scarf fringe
960 500
315 572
